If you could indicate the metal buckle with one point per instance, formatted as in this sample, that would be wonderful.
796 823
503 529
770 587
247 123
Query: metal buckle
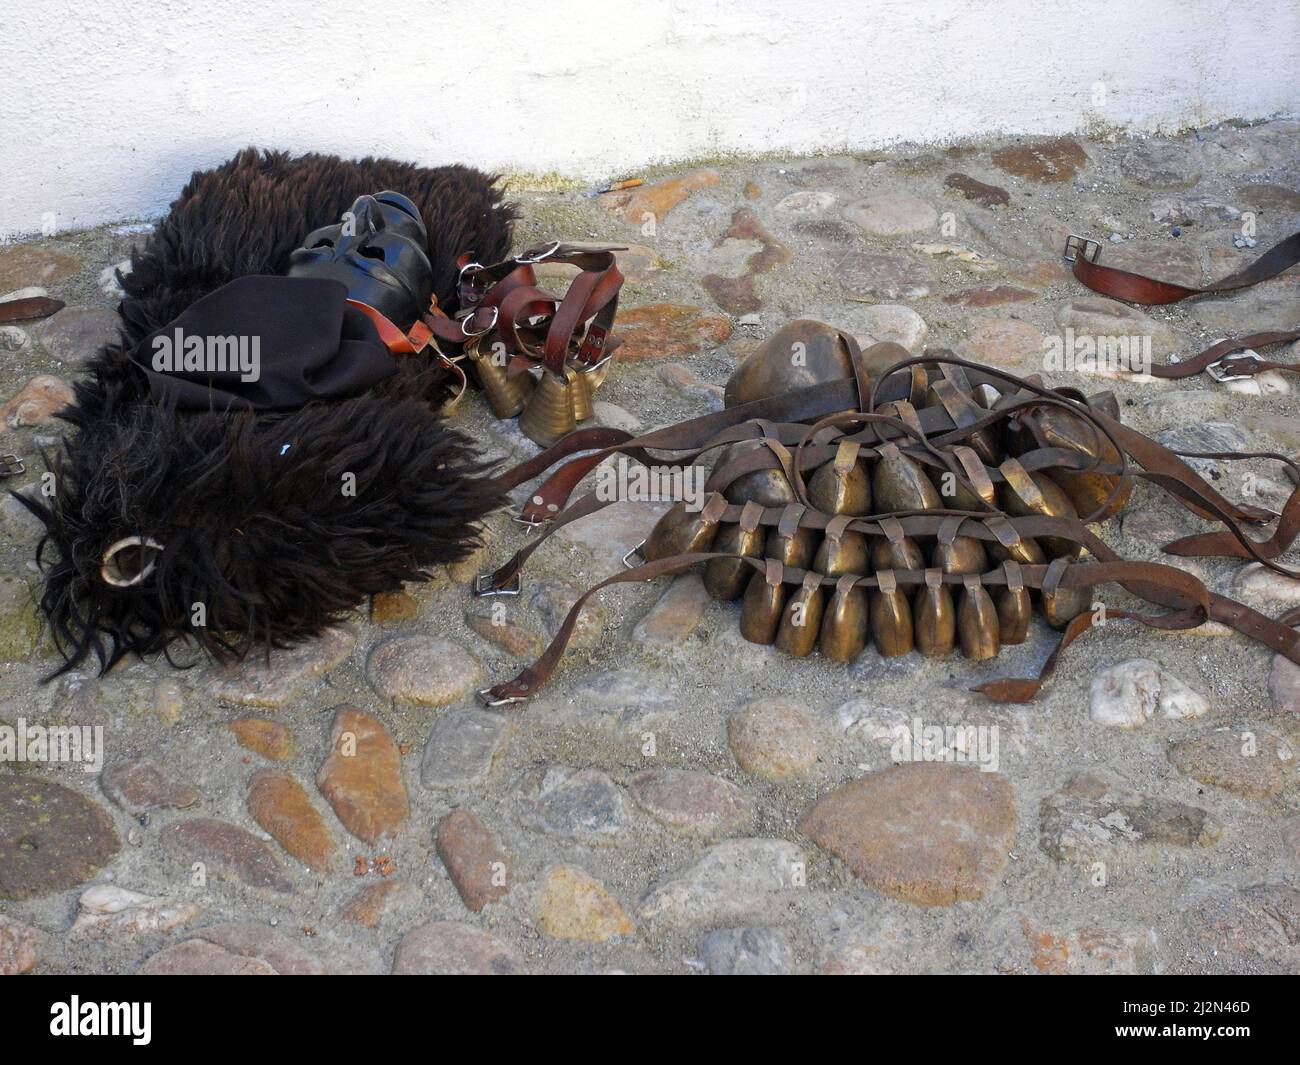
11 466
483 586
1081 245
485 698
630 565
496 314
529 523
532 260
466 268
1216 370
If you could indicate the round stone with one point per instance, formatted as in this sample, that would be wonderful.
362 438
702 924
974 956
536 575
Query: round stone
27 265
1004 342
1247 760
572 905
696 802
930 833
891 213
449 948
426 670
76 334
754 951
18 947
51 838
772 738
887 277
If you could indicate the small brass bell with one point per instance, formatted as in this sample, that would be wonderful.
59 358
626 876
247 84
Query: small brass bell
506 395
760 612
843 485
978 626
891 617
682 531
844 622
789 543
934 617
959 554
1024 493
1063 605
842 550
767 487
801 621
899 552
1056 427
725 578
899 483
1024 550
1014 607
550 414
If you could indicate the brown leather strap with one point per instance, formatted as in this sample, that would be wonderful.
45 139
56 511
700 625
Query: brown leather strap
1148 291
1217 358
29 307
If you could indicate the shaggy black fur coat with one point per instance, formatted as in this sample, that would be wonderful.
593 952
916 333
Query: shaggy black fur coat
259 543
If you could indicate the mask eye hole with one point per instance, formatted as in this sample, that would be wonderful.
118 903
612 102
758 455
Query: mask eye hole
373 253
324 242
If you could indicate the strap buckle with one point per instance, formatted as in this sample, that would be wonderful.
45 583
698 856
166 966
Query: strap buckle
486 698
532 260
529 523
1076 245
460 277
483 586
627 564
11 466
1218 371
468 335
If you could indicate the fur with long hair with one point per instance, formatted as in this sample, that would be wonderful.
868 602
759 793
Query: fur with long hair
251 507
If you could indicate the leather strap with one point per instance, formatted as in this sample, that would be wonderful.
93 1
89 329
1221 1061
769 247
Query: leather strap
1149 292
29 307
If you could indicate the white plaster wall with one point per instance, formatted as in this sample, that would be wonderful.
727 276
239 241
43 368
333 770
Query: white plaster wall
108 105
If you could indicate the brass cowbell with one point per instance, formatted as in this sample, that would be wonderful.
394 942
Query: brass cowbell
550 412
802 619
506 395
934 617
1013 605
978 626
891 617
725 578
844 621
583 408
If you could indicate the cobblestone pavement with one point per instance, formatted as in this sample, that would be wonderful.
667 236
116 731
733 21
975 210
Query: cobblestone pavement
679 800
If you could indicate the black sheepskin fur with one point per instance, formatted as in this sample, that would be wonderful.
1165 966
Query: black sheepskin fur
265 537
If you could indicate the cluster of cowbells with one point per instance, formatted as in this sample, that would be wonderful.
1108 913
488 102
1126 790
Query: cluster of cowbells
874 482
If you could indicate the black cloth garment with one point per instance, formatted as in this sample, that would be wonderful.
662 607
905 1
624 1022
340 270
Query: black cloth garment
267 343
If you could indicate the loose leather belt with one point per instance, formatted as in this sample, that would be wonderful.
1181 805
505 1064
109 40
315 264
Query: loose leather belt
1217 360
